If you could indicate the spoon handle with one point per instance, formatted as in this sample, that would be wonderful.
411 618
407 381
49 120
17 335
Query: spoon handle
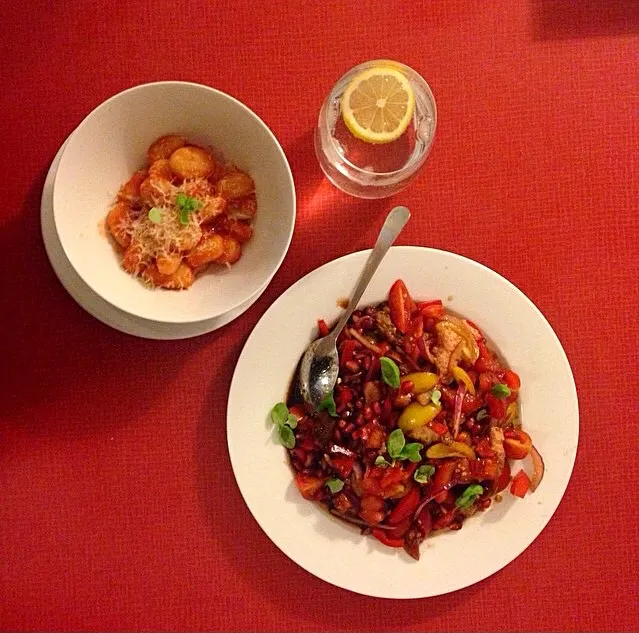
395 222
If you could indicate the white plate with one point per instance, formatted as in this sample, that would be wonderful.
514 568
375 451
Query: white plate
336 552
98 307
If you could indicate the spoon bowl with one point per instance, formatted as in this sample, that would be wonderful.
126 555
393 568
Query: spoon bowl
320 364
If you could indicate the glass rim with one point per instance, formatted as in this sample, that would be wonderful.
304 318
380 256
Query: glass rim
413 164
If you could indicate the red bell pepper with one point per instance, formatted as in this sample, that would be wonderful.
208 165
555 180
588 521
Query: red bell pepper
431 309
439 427
512 380
520 485
496 406
504 478
387 540
405 508
443 476
401 306
322 327
347 350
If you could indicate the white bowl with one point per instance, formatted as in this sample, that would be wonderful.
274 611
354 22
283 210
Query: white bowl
111 143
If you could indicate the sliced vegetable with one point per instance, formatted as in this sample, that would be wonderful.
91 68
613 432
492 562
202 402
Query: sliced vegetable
538 469
517 444
459 402
520 484
401 306
422 381
387 540
416 415
405 508
455 449
504 478
462 376
443 478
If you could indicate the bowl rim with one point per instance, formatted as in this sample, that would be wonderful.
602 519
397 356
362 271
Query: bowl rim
290 228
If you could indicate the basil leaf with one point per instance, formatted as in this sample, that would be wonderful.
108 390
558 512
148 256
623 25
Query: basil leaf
328 404
155 215
423 473
334 485
467 498
500 391
435 397
390 371
180 200
411 452
287 437
381 462
395 443
279 414
184 216
291 420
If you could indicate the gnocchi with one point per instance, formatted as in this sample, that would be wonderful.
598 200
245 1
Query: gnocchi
181 213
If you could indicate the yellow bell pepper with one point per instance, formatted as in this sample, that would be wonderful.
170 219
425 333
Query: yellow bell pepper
423 381
456 449
416 415
461 376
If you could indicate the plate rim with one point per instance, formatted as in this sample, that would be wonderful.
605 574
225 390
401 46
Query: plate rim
485 269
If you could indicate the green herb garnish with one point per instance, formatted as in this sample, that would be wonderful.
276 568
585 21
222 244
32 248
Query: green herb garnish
286 435
155 215
500 391
395 443
398 449
468 497
435 397
390 372
334 485
285 423
186 205
423 473
381 462
328 404
481 415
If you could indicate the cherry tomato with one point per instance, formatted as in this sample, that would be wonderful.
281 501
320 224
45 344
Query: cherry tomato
517 444
401 306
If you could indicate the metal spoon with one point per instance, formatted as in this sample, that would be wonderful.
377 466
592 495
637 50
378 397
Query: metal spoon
320 364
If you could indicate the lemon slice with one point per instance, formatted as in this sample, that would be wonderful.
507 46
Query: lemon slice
378 104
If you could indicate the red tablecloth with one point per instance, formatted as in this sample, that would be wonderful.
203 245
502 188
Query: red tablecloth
118 507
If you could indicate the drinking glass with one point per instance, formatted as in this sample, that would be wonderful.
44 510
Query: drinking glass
370 170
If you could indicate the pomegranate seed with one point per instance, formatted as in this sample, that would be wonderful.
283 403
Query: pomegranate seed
406 387
377 408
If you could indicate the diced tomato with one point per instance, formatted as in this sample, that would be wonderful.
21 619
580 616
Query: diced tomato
444 520
387 540
484 468
308 486
347 350
431 309
496 406
297 412
401 306
439 427
417 326
512 380
405 508
470 403
343 465
442 477
371 509
392 476
343 395
517 444
504 478
375 437
483 449
322 327
520 484
486 381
